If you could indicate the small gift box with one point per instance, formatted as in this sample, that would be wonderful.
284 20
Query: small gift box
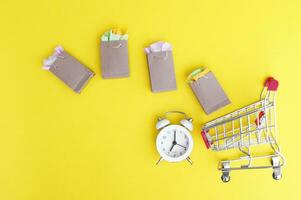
114 54
68 69
161 67
208 91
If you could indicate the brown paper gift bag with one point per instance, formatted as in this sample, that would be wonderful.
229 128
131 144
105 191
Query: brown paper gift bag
161 71
70 71
114 59
209 93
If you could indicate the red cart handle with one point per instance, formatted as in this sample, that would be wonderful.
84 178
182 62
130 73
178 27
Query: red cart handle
207 143
271 84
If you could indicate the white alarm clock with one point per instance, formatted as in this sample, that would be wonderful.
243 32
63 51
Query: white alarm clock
174 141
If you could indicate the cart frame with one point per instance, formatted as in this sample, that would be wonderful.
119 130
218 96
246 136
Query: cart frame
244 128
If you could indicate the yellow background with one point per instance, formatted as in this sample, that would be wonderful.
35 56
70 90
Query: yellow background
58 145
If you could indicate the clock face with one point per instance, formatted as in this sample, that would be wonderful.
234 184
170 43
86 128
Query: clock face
174 143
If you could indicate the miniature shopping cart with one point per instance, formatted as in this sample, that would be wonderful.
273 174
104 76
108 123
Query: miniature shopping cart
248 127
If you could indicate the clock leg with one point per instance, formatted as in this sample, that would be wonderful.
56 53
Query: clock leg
160 159
189 160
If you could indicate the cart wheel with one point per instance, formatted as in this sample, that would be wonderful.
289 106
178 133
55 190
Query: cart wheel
277 176
225 178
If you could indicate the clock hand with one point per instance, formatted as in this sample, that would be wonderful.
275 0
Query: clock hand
173 144
171 147
182 146
174 136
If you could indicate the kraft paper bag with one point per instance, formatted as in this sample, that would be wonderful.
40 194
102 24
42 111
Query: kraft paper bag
209 93
161 71
114 59
67 68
